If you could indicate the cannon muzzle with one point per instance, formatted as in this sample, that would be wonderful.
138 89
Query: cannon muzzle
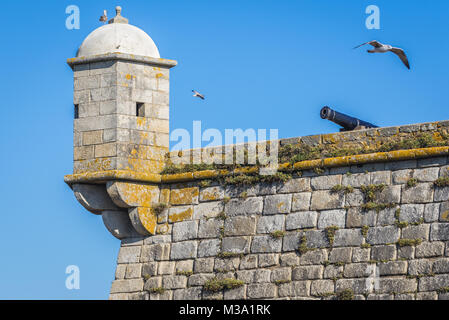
348 123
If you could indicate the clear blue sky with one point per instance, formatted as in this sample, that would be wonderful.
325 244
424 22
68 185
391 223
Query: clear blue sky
261 64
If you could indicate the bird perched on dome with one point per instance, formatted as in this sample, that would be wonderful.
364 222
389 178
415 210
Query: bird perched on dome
197 94
382 48
104 17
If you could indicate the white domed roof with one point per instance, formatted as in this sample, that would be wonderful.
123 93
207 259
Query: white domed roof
118 36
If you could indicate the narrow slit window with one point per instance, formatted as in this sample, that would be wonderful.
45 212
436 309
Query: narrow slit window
140 110
76 111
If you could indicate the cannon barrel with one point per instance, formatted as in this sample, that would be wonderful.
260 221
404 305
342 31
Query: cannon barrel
348 123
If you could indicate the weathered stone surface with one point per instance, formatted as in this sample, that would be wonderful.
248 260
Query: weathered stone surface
382 253
358 218
416 232
204 265
249 262
277 204
268 260
356 179
321 287
290 241
324 199
393 268
294 289
174 282
361 254
212 193
300 220
389 285
130 285
358 286
295 185
187 294
382 235
185 230
184 250
129 254
332 218
313 257
431 212
317 239
261 290
348 238
441 266
429 249
166 267
419 267
240 226
307 273
155 252
386 217
281 274
441 194
357 270
439 231
266 244
422 193
301 201
208 248
427 174
325 182
340 255
208 209
268 224
434 283
235 294
239 207
210 228
236 244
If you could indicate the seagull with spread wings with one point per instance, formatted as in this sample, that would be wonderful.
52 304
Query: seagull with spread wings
197 94
382 48
104 17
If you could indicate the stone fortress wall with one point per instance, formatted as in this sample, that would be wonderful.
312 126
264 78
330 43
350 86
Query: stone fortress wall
351 215
371 229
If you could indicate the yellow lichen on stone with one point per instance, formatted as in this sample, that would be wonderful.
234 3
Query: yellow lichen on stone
180 215
210 194
148 219
137 195
184 196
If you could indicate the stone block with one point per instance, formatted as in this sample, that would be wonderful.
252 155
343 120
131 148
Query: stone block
322 287
429 249
301 201
203 265
129 255
382 235
266 244
295 185
324 199
332 218
240 226
348 238
307 273
261 291
397 285
185 230
208 248
236 244
393 268
340 255
294 289
300 220
325 182
275 204
210 228
421 193
439 231
358 218
382 253
268 224
246 207
184 250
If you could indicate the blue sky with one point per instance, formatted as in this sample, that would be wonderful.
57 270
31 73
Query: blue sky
261 64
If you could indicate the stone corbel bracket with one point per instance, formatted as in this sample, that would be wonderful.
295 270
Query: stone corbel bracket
125 206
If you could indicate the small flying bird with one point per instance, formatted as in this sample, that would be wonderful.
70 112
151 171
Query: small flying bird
382 48
104 17
197 94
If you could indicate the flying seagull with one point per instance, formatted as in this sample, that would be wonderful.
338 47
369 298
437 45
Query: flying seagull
197 94
382 48
104 17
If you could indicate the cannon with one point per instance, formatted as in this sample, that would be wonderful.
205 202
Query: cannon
348 123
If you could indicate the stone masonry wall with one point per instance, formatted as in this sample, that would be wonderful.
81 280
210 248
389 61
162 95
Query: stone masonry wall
302 239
